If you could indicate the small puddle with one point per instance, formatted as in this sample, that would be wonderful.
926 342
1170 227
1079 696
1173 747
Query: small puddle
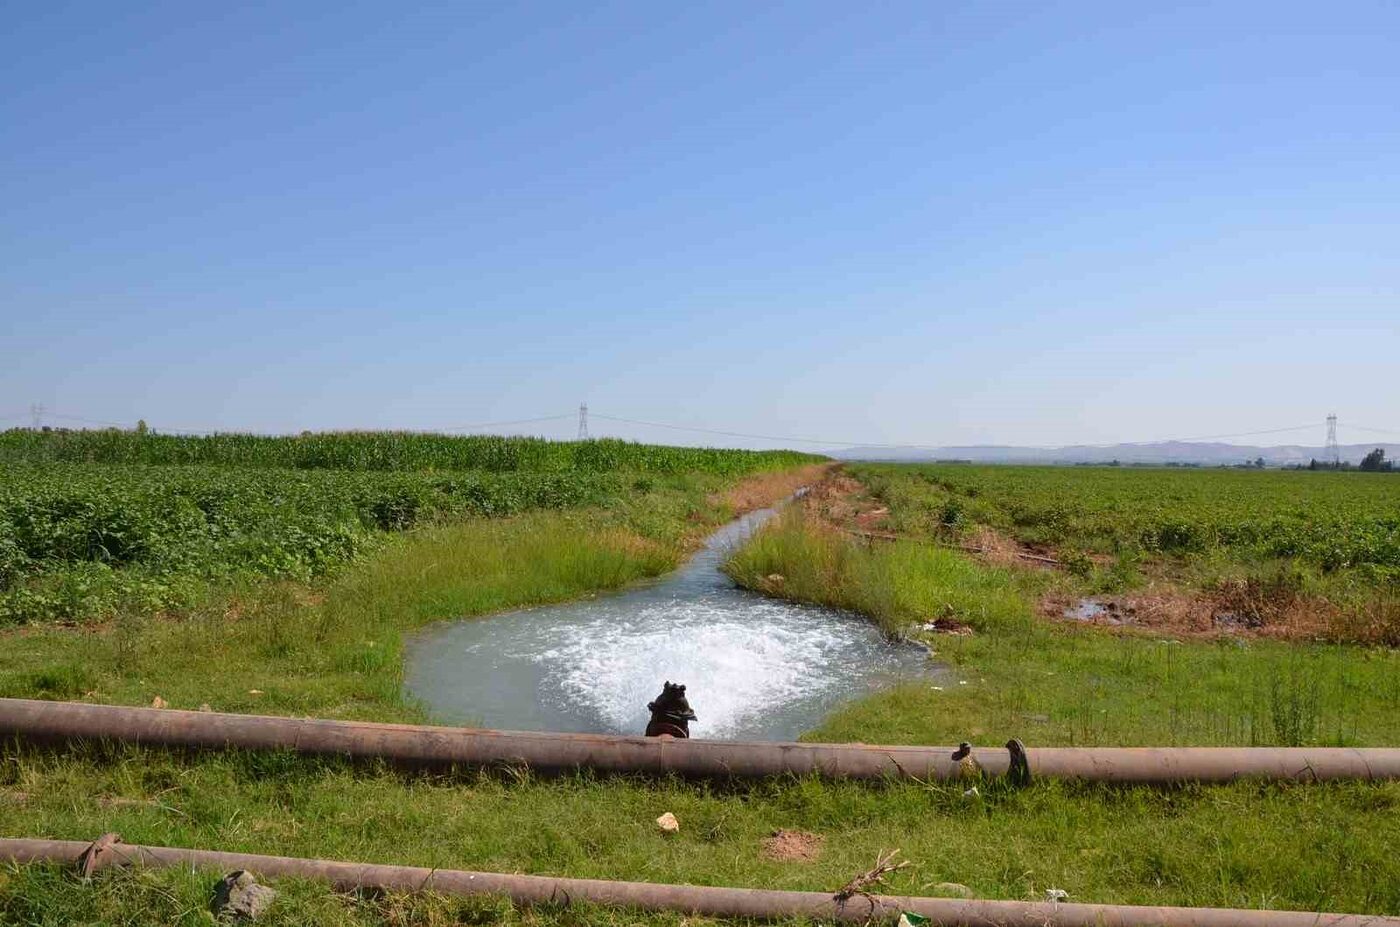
1105 612
1086 610
755 668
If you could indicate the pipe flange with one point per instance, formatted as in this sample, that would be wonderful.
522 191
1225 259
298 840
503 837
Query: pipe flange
1019 772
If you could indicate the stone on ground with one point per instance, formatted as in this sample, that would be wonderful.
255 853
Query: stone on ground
239 897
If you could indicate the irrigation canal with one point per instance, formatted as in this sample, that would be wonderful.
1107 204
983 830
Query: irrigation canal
755 668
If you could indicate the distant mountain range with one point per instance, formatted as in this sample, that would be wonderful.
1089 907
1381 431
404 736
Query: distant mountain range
1165 452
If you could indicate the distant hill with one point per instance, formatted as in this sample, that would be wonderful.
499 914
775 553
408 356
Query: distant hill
1175 452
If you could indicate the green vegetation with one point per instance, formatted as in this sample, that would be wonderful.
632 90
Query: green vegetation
78 541
1329 520
1375 461
382 450
331 646
1316 847
128 530
1013 673
895 584
1300 554
1017 675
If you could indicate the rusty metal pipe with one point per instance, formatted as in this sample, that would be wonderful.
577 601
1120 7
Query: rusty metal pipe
416 746
707 901
1214 764
419 746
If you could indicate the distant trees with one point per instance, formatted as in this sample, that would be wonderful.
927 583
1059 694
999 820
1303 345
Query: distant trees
1375 461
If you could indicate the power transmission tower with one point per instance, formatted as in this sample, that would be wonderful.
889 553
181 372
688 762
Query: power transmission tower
36 415
1334 453
583 421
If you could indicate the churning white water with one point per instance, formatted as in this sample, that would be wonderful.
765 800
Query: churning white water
754 668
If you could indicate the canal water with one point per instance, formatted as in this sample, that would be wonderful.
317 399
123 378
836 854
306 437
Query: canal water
755 668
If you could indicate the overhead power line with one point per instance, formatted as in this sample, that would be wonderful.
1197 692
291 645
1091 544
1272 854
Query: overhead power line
88 421
1234 434
832 443
205 431
518 421
584 416
1379 431
745 434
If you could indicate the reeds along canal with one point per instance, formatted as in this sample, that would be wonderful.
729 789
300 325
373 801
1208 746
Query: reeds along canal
756 668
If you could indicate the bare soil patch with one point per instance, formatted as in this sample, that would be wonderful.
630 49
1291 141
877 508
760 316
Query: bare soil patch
1220 612
792 846
1239 608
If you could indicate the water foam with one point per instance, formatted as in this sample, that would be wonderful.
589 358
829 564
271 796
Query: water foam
754 667
737 666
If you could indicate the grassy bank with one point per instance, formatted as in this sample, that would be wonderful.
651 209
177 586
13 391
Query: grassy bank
1060 684
1286 554
99 523
333 648
1237 846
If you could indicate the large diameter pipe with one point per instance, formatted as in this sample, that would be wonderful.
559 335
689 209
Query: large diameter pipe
412 745
700 900
1214 764
419 746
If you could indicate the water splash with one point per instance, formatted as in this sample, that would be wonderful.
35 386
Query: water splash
754 667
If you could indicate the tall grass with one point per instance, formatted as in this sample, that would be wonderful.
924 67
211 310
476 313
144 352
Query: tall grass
336 649
899 585
1017 675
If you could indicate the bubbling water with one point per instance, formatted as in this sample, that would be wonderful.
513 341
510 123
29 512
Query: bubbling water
754 667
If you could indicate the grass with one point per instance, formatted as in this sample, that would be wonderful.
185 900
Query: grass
895 584
1296 554
147 523
1020 676
1240 845
1327 523
334 649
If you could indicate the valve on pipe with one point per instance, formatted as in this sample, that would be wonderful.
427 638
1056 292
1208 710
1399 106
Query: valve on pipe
670 713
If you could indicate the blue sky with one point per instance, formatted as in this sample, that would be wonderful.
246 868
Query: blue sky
925 222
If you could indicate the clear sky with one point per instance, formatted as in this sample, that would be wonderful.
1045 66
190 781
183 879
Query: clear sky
1035 223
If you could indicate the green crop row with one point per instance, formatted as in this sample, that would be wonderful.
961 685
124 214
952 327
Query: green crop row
78 539
1333 520
382 450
